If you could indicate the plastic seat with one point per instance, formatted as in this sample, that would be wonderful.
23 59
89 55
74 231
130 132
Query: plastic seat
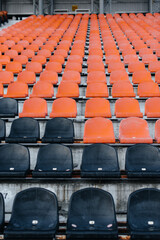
154 66
73 66
143 214
59 164
71 76
157 131
57 58
14 67
152 106
127 107
8 107
97 90
142 160
97 107
4 60
44 52
34 107
21 59
122 89
35 67
42 90
11 53
157 77
96 66
24 130
54 66
115 66
96 77
148 89
62 52
39 58
141 76
100 160
6 77
64 107
59 130
34 47
75 59
14 161
118 75
68 89
91 215
3 48
98 130
94 58
17 90
34 215
147 58
134 130
27 52
26 77
136 66
144 51
130 59
49 76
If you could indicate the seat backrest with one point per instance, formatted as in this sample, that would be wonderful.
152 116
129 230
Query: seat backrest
8 107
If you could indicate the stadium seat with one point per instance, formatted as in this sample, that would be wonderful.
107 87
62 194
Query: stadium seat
97 107
68 89
118 75
71 76
26 77
17 90
27 52
157 131
14 161
31 207
136 66
6 77
54 66
143 215
22 59
147 58
134 130
59 164
96 66
49 76
97 90
44 52
62 52
24 130
64 107
142 160
148 89
75 59
11 53
34 107
96 77
39 58
100 160
152 106
122 89
130 59
59 130
91 215
157 77
93 59
4 60
141 76
57 58
98 130
115 66
154 66
127 107
42 90
8 107
144 51
112 58
73 66
14 67
35 67
3 48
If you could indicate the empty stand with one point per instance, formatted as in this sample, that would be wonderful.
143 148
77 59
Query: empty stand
97 107
8 107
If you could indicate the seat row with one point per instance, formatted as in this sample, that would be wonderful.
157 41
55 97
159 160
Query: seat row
91 214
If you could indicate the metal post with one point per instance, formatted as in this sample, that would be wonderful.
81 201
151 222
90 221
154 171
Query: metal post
52 6
150 6
34 7
101 6
110 6
0 5
92 3
40 7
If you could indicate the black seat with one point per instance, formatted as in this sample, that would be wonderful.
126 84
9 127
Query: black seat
91 215
100 160
142 160
59 130
8 107
24 130
34 215
14 160
143 214
54 160
2 130
2 213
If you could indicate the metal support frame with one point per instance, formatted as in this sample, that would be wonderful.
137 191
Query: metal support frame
101 6
92 3
39 8
110 6
150 6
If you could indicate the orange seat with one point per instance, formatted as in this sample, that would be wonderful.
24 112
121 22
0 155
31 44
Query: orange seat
54 66
127 107
33 47
122 89
18 47
118 75
14 67
148 89
141 76
39 58
62 52
96 77
135 66
3 48
57 58
152 106
68 89
48 47
144 51
115 66
1 89
112 58
98 130
96 66
44 52
11 53
9 43
42 90
21 59
73 66
157 131
154 66
35 108
96 90
134 130
24 43
27 52
79 52
34 67
64 107
49 76
75 59
130 59
94 59
6 77
147 58
4 59
97 107
157 77
17 90
26 77
71 76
